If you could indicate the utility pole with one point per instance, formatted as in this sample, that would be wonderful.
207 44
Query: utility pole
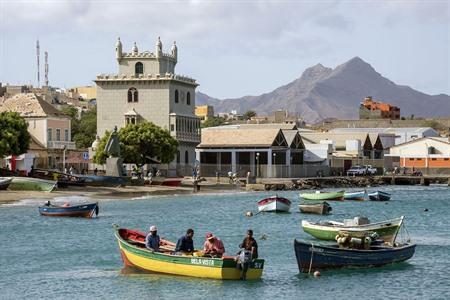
37 57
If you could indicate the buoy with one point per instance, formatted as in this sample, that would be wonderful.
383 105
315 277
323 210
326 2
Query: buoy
316 274
426 209
249 214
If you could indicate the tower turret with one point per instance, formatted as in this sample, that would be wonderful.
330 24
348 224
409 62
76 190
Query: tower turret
174 50
118 49
135 50
158 50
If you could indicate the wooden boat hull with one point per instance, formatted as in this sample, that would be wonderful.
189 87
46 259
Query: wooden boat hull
4 183
379 196
386 230
157 180
203 267
318 209
311 256
358 196
32 184
95 180
84 211
323 196
172 182
274 204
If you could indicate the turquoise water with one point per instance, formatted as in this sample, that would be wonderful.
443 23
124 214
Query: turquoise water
50 258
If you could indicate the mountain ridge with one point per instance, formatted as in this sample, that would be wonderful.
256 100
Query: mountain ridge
322 92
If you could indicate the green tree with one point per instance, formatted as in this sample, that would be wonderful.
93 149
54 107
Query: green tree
139 142
83 128
213 121
249 114
14 136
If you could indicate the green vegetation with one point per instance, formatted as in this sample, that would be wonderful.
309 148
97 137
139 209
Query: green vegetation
84 128
213 121
249 114
14 136
139 142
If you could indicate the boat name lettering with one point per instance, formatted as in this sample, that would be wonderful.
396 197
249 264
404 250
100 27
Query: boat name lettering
258 265
312 249
204 262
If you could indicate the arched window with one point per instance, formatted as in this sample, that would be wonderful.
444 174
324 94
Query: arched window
133 95
176 96
138 68
188 98
186 157
178 157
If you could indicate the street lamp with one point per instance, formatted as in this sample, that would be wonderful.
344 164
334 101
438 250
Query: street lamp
274 158
257 164
274 167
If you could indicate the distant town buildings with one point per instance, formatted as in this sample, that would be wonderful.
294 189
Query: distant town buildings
370 109
84 92
204 112
146 88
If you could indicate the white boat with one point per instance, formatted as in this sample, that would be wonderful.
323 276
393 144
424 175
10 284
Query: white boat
274 204
358 195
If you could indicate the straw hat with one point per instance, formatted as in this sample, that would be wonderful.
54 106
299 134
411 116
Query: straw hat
209 236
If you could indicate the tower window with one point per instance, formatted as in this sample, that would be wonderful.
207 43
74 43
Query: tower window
132 95
188 98
186 157
138 68
176 96
178 156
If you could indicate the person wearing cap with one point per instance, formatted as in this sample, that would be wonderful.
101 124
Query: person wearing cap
250 244
213 246
152 239
185 243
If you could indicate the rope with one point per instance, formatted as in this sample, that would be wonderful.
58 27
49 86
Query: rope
312 254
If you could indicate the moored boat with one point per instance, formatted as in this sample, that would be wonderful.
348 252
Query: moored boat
312 256
358 195
387 230
135 255
315 208
379 196
274 204
4 183
172 181
86 210
32 184
96 180
157 180
319 195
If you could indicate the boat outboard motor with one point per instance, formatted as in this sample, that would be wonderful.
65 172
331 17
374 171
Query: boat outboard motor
244 258
96 210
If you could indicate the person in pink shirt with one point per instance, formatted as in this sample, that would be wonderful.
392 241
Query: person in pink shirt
213 246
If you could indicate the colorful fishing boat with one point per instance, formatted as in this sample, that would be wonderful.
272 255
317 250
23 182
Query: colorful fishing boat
319 195
274 204
4 183
86 210
312 256
135 255
32 184
379 196
358 195
172 181
387 230
315 208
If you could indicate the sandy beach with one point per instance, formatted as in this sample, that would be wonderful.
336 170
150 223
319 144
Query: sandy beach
124 193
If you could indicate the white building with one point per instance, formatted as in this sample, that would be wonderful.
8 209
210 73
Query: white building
146 88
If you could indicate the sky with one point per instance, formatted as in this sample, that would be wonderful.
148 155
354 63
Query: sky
232 48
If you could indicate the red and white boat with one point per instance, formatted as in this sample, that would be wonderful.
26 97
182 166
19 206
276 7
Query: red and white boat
274 204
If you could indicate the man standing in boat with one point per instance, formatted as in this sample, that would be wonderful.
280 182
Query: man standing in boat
213 246
250 244
185 243
152 239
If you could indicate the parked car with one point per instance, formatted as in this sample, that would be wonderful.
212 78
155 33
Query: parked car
361 170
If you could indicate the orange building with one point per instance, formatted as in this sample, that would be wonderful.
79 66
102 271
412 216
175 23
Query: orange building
370 109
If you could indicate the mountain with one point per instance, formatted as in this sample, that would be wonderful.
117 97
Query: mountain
323 92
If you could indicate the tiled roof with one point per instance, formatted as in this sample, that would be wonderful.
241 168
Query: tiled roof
238 138
339 139
30 105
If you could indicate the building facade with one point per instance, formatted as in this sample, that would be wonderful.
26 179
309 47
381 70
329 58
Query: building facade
370 109
204 112
146 88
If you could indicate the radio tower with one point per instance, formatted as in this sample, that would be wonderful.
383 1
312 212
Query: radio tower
46 68
37 56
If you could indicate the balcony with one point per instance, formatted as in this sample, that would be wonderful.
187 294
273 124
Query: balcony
192 137
61 145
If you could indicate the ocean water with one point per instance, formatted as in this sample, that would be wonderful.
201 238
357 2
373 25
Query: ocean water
60 258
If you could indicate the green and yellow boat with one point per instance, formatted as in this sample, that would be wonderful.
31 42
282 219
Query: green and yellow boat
32 184
135 255
322 196
386 230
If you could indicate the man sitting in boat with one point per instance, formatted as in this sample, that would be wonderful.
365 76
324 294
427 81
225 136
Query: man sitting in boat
250 244
185 244
152 239
213 246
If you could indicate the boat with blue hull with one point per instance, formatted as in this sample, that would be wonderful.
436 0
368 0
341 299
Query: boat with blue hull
313 256
358 195
379 196
96 180
86 210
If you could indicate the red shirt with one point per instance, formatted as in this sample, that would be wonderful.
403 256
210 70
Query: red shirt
214 246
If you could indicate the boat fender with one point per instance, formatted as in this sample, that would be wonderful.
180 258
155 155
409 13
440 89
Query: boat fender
317 274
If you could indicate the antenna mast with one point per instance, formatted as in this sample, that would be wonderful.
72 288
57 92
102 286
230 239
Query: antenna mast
46 68
37 56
